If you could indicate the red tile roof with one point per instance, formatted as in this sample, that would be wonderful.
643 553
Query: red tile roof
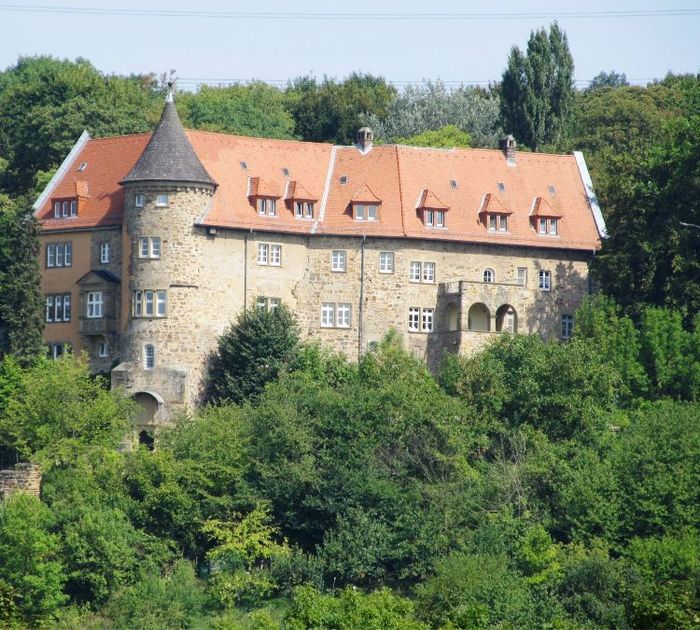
398 176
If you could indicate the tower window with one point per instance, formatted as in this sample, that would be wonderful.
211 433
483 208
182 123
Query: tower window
138 201
105 253
149 356
162 201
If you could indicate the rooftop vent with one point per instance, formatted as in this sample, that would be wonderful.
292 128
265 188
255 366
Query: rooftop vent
453 183
507 144
285 172
365 137
501 187
343 179
244 165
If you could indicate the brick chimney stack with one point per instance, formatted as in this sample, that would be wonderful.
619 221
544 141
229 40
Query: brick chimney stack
365 137
507 145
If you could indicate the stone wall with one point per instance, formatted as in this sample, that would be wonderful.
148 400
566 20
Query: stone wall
20 478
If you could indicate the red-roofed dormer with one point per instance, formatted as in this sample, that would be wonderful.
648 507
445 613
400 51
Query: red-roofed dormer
365 204
494 213
263 196
432 210
300 200
545 219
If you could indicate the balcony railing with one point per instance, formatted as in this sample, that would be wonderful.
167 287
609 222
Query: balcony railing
97 325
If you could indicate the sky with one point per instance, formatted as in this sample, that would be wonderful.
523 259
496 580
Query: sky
284 41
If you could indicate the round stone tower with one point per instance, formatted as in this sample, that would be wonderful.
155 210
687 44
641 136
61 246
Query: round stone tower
164 194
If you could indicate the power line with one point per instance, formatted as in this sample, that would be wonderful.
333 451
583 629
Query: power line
393 16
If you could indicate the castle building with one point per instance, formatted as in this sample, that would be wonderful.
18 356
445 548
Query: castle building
152 243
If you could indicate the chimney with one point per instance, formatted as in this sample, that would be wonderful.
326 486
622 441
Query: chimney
364 139
507 144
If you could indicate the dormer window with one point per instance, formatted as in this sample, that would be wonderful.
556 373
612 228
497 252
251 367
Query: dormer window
494 214
545 219
304 209
497 222
365 212
434 218
548 226
432 210
267 206
65 208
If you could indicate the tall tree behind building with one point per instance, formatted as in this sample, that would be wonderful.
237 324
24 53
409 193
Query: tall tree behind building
537 90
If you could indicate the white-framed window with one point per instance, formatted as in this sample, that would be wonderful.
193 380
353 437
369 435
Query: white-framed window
553 227
162 200
567 326
421 272
59 254
102 349
267 206
336 315
542 226
56 209
497 222
94 304
270 254
149 303
105 253
338 260
275 254
421 319
328 315
366 212
58 307
149 356
268 303
304 209
522 276
434 218
64 209
56 350
489 276
139 201
386 262
545 280
427 319
149 247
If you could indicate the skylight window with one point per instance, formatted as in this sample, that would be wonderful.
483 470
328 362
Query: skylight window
343 179
453 183
285 172
552 190
82 166
244 165
501 187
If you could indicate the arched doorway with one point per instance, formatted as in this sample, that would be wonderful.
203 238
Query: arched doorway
479 317
147 417
506 319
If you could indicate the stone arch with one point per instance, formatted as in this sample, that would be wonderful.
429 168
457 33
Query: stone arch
506 319
150 405
452 317
479 317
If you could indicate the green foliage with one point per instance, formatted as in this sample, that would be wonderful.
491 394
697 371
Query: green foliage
446 137
536 92
31 572
45 104
256 109
252 352
332 111
351 608
432 106
607 79
21 303
174 600
34 424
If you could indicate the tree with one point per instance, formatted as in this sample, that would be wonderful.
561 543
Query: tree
536 93
432 106
257 109
252 352
21 303
30 561
332 111
446 137
45 104
607 79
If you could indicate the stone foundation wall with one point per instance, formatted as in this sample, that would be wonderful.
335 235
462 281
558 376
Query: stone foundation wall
20 478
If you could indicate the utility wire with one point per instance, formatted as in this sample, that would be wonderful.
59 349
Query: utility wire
393 16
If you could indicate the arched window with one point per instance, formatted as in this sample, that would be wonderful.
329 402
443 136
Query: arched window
489 276
506 319
479 318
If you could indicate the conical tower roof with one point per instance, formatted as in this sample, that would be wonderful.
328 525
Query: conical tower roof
169 156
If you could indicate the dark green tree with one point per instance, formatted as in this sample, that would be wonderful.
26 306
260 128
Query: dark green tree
537 90
21 304
251 353
607 79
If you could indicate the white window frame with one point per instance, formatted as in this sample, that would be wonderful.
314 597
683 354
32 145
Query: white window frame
328 315
149 356
428 275
365 211
149 247
94 305
267 206
58 308
427 319
105 253
489 276
429 217
339 260
139 201
275 254
343 315
542 226
56 209
553 227
415 271
263 253
440 218
544 280
304 209
521 276
567 326
149 303
414 319
59 255
386 262
162 200
102 349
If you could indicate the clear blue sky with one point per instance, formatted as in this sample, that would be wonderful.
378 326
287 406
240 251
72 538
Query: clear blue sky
469 50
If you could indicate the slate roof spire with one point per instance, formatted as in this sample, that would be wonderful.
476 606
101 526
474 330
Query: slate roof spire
169 156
